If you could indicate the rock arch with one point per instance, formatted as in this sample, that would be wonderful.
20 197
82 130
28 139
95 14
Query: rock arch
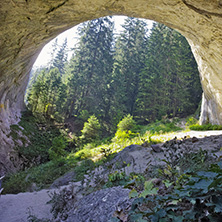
27 25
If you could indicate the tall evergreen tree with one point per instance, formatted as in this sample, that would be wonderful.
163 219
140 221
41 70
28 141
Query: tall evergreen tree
91 67
165 82
61 57
145 76
129 61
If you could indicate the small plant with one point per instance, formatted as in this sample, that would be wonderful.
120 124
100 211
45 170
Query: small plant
194 196
83 154
117 178
42 176
125 128
160 127
191 121
106 152
126 124
62 202
91 129
57 149
149 189
181 159
83 168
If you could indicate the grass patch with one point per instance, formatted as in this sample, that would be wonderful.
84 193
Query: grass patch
153 133
42 176
205 127
90 156
161 127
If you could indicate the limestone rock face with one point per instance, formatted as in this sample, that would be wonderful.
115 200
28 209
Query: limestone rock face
100 206
27 25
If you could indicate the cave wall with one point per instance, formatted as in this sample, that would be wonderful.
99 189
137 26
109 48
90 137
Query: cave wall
27 25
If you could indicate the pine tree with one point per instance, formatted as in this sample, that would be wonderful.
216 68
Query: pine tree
165 82
61 57
129 61
91 68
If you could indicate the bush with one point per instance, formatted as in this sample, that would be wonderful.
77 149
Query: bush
43 176
83 154
125 128
37 139
126 124
57 149
191 121
197 199
91 129
82 169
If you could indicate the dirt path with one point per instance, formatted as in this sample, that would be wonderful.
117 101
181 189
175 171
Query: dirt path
15 208
198 134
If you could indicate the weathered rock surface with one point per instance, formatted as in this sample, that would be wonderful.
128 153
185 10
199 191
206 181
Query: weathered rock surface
135 158
100 206
27 25
64 180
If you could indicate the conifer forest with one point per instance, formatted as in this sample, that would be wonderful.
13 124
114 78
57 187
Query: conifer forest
149 74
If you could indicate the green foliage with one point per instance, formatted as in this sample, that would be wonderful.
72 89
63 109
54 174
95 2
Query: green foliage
149 189
82 154
180 160
126 124
160 127
36 137
205 127
136 183
61 202
147 75
125 128
106 152
191 121
57 149
122 135
117 179
84 115
83 168
186 195
91 129
42 176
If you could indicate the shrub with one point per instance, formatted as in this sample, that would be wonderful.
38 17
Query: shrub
82 169
91 129
125 128
37 139
43 176
191 121
160 127
126 124
57 149
83 154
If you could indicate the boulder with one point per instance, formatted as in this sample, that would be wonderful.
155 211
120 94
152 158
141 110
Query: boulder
100 206
64 180
135 158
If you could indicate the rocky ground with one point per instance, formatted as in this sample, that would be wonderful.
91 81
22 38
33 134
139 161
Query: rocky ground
100 205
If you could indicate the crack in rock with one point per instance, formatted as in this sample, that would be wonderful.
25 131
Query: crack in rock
56 7
201 11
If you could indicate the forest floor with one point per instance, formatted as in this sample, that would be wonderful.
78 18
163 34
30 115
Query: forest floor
16 208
